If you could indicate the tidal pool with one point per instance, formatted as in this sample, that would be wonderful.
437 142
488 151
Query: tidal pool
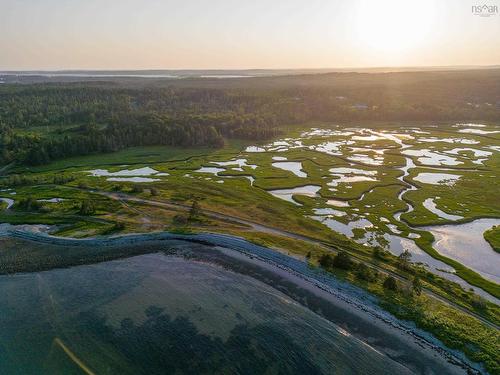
157 314
236 162
10 202
476 152
284 145
337 203
393 228
350 175
132 179
437 178
345 229
480 156
329 211
478 131
395 137
287 194
344 170
428 157
465 243
397 245
380 151
330 148
431 206
365 159
291 166
212 170
464 141
145 171
255 149
367 138
349 180
315 132
278 146
470 125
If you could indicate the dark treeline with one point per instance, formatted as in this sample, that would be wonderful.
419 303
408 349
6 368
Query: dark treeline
39 124
43 122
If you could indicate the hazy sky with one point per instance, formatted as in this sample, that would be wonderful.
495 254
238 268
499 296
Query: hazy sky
232 34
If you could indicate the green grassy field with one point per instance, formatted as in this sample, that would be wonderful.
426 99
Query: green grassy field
358 168
374 199
493 237
131 156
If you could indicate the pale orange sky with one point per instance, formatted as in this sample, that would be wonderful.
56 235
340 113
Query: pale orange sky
225 34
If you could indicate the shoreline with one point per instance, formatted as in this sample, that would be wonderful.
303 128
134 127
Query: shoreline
361 307
355 316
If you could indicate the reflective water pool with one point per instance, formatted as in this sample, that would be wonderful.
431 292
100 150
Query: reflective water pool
437 178
287 194
466 244
291 166
157 314
431 206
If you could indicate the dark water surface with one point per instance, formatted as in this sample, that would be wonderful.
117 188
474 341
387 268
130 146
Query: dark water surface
158 314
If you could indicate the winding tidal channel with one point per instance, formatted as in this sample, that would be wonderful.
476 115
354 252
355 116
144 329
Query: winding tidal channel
462 242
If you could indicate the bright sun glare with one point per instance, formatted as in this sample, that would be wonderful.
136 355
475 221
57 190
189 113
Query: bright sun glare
394 26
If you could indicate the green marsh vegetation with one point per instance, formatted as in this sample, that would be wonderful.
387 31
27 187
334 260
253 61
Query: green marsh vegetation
226 191
63 132
493 237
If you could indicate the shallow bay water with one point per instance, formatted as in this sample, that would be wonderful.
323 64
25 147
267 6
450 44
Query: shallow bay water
155 314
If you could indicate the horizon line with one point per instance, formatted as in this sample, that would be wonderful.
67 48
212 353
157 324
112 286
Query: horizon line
62 70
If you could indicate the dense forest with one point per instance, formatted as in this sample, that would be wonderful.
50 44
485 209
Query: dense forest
46 121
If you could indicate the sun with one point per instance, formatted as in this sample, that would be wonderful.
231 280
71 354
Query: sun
394 26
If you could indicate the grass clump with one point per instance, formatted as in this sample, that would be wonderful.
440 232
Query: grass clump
492 235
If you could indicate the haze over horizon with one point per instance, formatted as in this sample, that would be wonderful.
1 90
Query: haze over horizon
319 34
117 71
